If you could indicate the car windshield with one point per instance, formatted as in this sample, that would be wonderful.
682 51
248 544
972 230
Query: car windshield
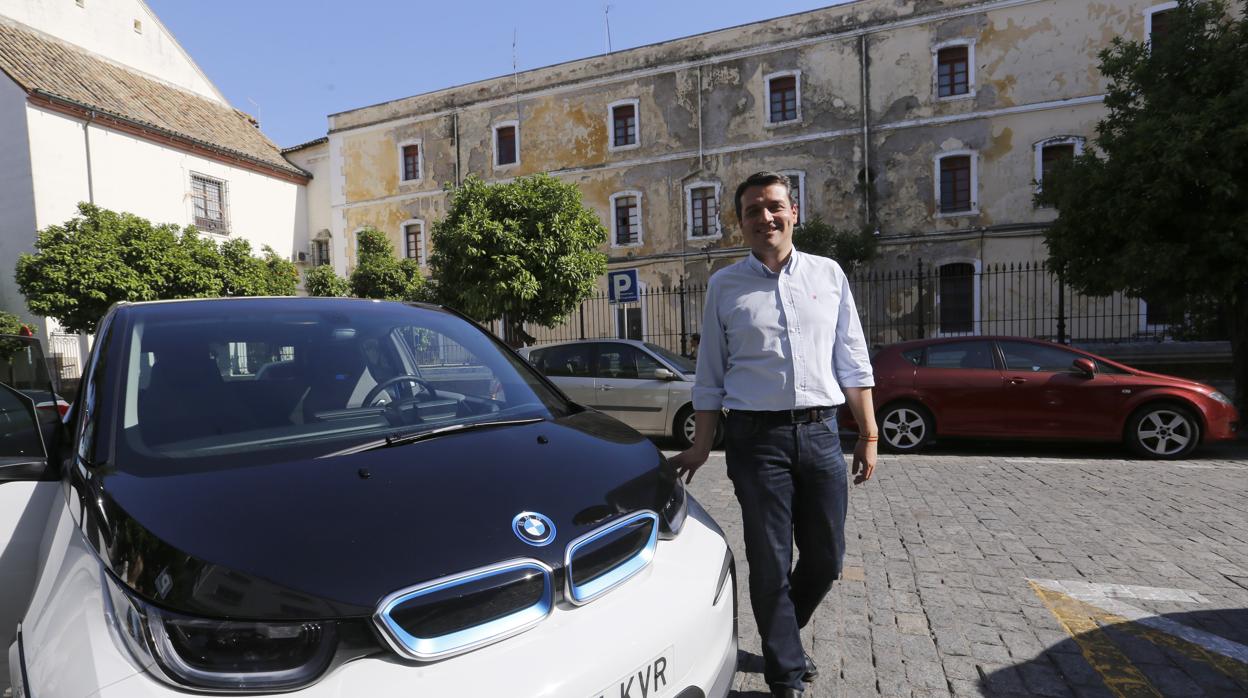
677 361
218 383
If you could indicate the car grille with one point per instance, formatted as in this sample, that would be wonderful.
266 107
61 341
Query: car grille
604 558
465 611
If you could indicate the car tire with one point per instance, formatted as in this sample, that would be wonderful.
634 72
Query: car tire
682 428
1163 431
905 427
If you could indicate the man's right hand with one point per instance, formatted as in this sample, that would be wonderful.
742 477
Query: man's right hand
688 461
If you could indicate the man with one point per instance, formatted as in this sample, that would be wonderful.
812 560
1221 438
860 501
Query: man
782 350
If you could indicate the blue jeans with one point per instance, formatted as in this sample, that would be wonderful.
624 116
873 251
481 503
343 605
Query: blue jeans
791 482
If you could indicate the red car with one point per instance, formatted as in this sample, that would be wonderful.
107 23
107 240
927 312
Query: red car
1009 387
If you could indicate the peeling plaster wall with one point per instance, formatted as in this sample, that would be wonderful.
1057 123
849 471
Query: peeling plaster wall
702 117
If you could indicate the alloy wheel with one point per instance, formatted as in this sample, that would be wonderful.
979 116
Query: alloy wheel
904 428
1165 432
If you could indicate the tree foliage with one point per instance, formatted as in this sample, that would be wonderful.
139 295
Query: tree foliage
322 281
101 257
851 249
525 250
10 323
380 274
1159 208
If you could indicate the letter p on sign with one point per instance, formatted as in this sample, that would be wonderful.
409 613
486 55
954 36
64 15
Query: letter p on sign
623 286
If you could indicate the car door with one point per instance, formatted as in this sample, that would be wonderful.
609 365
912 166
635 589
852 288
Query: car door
960 383
568 366
24 505
1049 397
627 387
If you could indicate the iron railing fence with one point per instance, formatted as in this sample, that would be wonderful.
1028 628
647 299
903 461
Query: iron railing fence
1022 299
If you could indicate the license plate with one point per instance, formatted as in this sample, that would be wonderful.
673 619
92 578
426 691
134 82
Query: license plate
650 680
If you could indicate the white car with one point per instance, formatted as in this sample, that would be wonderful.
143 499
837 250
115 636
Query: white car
333 497
641 384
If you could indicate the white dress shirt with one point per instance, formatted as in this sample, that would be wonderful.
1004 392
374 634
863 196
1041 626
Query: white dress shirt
780 341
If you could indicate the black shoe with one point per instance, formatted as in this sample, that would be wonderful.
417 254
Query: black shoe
785 692
811 670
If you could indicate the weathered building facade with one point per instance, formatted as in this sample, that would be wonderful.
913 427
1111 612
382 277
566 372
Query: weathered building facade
928 122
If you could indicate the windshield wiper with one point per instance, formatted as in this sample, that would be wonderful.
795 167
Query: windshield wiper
413 437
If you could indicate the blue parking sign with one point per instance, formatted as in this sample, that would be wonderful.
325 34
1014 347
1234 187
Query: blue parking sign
623 286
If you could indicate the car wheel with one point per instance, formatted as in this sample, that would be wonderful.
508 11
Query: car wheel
685 423
905 427
1163 430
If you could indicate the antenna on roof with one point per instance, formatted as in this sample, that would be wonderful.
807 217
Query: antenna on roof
255 104
606 18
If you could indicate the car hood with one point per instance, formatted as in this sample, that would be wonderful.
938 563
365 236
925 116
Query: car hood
329 538
1145 378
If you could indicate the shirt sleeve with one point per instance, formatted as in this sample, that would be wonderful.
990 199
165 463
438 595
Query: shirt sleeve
850 359
708 387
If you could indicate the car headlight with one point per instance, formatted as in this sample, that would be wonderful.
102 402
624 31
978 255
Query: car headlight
674 512
219 655
1220 398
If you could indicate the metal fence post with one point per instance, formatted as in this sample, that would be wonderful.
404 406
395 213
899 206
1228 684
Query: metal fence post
1061 310
918 275
684 313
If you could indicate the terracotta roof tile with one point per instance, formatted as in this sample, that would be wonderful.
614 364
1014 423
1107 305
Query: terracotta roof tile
36 61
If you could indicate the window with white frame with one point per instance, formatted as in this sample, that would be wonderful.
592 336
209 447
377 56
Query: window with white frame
209 199
783 97
953 64
507 144
956 183
623 122
1157 21
414 241
1053 151
320 249
626 219
956 300
797 191
411 161
702 207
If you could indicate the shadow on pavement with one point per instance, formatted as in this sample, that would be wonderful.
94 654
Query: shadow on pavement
1113 657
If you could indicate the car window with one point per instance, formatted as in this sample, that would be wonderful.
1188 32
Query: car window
1102 367
571 360
914 356
625 361
244 383
1025 356
974 354
681 363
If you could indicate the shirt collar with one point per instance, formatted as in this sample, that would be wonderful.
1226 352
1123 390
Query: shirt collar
790 267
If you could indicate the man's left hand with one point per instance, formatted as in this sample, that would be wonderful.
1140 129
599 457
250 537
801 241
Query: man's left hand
864 460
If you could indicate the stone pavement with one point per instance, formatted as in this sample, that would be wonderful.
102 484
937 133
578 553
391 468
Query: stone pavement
1003 570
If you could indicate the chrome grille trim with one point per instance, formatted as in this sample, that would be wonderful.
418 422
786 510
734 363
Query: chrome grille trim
583 594
430 648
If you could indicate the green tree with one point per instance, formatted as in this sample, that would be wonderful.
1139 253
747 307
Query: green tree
379 274
524 251
1159 208
322 281
9 323
100 257
850 249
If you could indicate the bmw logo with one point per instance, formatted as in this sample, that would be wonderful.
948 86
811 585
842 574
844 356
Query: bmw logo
533 528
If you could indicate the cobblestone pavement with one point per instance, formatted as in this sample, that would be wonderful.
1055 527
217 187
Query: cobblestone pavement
1007 570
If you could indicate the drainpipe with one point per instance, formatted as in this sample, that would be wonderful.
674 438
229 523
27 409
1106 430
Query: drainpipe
455 136
866 133
86 140
699 119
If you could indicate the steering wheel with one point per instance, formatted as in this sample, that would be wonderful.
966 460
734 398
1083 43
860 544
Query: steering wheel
407 377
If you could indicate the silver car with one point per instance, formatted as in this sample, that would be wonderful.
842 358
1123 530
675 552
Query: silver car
641 384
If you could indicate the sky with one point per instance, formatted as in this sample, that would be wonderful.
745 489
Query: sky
292 63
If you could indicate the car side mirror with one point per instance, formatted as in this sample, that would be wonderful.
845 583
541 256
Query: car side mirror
663 374
23 453
1084 366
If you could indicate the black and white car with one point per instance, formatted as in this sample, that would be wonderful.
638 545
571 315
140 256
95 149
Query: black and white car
639 383
331 497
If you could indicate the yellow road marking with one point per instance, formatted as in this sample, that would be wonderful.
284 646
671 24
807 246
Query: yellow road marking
1080 621
1086 625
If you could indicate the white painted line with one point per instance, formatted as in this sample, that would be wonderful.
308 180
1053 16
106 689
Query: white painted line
1106 597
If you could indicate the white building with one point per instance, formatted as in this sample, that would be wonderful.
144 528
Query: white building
99 103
